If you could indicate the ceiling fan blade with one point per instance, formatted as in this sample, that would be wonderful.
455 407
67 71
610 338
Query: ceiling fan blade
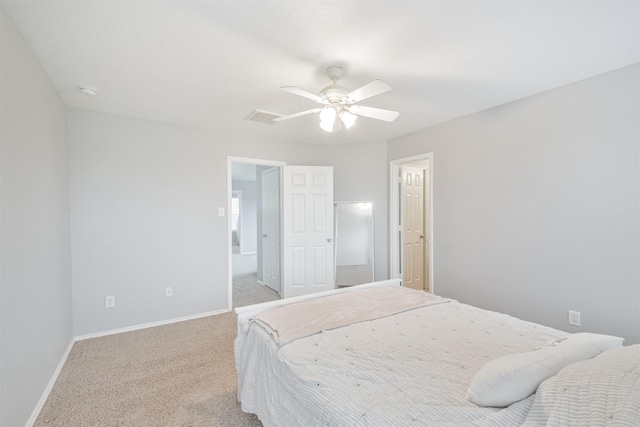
374 113
374 88
294 115
304 93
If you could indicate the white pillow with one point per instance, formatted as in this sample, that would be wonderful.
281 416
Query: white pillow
603 391
513 377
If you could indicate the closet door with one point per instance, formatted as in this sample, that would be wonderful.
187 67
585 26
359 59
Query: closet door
413 227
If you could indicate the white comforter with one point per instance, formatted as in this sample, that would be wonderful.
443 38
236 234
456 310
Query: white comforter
603 391
336 311
411 368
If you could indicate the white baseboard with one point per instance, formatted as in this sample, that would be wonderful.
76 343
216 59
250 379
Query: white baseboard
47 390
149 325
260 282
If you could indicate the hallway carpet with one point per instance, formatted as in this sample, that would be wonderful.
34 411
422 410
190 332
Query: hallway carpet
246 289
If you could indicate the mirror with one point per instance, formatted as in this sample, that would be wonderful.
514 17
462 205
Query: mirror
353 237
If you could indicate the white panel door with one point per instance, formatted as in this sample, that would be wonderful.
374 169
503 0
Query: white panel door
307 198
271 228
413 227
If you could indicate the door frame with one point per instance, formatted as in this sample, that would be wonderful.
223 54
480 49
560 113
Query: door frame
394 214
230 161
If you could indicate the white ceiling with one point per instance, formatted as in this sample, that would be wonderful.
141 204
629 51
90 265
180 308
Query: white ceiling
210 63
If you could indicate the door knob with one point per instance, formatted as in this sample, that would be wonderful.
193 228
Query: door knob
329 240
421 237
264 235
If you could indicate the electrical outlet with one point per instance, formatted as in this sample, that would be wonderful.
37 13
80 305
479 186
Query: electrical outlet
574 318
110 301
168 291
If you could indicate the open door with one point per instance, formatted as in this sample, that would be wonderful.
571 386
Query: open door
307 202
271 228
399 207
413 235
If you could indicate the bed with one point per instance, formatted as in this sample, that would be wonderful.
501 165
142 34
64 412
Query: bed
351 358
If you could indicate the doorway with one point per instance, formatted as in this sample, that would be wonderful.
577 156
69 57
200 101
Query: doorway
411 221
304 257
245 207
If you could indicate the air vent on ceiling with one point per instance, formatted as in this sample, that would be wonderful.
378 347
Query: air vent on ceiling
262 116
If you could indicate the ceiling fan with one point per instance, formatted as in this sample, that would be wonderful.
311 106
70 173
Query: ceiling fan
340 109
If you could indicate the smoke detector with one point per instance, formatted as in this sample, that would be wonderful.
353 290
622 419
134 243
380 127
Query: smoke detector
89 91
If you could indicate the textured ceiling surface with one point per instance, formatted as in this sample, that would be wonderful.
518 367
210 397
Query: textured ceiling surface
210 63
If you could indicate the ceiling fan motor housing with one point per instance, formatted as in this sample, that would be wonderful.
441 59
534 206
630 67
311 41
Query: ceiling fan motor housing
334 93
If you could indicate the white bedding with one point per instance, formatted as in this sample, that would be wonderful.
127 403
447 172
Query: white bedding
603 391
312 316
369 374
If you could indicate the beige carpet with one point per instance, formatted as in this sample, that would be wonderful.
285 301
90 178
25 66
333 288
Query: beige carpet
181 374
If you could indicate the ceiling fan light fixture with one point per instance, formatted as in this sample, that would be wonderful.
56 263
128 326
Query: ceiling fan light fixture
327 126
347 118
328 115
328 119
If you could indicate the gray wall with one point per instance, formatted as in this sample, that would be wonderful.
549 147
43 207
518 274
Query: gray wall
35 291
144 217
360 173
248 215
536 205
144 200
